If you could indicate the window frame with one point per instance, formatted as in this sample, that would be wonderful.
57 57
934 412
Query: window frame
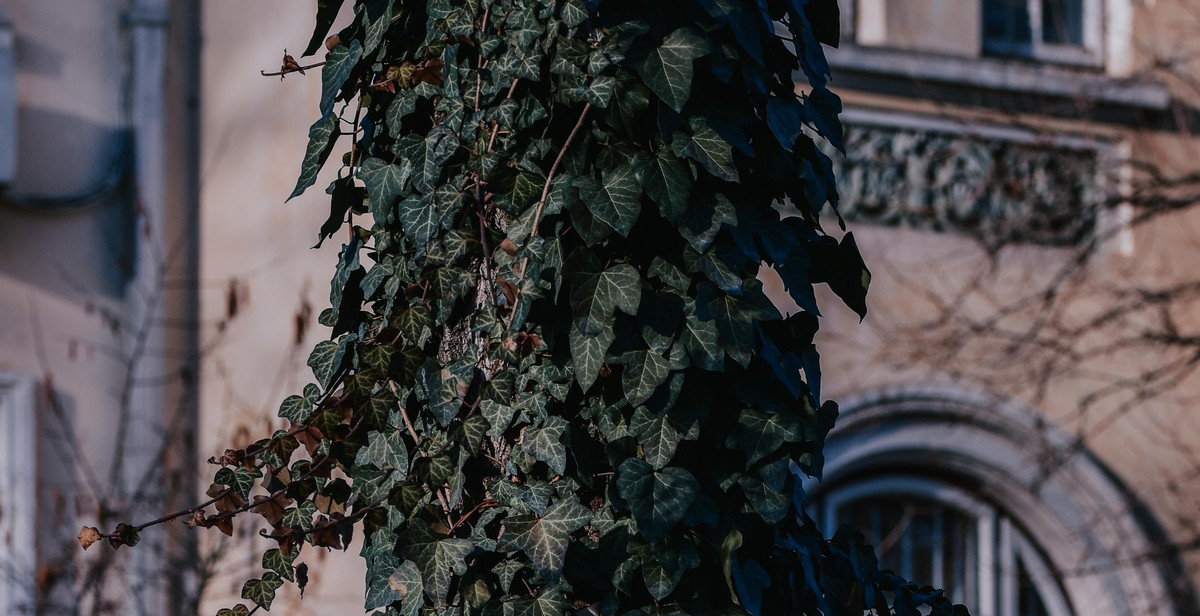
18 498
999 543
1087 524
1089 53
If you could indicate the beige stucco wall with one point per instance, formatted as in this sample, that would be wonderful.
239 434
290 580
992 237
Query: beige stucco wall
254 130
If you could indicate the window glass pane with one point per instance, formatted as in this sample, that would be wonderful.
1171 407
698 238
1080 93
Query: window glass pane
1006 24
921 540
1029 601
1062 22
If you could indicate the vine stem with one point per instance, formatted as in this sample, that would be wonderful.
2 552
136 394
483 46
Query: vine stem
294 69
537 214
223 493
483 504
179 514
541 204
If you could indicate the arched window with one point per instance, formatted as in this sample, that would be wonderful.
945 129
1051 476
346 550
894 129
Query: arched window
972 494
936 533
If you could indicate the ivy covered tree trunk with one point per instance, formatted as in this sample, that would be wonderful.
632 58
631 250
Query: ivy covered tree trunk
553 380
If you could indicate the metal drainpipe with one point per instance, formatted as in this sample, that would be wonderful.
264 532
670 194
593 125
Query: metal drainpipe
147 21
8 102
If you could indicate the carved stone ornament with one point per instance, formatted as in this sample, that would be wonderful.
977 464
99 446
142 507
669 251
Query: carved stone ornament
999 191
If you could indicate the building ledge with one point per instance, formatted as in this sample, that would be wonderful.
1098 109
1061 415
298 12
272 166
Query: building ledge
1003 75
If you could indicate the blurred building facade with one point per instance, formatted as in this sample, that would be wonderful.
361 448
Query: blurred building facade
1018 406
158 298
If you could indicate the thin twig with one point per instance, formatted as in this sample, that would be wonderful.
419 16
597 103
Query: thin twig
294 69
537 213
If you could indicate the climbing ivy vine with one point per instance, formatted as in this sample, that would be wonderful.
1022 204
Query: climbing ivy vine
553 381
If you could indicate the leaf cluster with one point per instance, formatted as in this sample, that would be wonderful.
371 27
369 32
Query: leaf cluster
554 380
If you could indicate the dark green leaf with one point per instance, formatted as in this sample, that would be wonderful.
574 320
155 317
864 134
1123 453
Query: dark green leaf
377 18
262 591
295 409
668 181
597 292
436 556
384 182
544 540
546 444
240 479
340 63
587 354
657 436
499 416
573 13
616 201
668 69
707 147
761 434
327 11
321 137
644 372
385 451
406 582
275 560
659 498
734 316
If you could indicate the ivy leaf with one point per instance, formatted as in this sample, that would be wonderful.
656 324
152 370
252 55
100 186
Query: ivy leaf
573 13
704 218
321 137
237 610
735 318
326 360
545 444
751 581
761 435
600 91
295 409
499 416
823 107
587 354
668 181
327 11
596 293
658 498
240 479
770 504
702 340
668 69
420 218
406 582
340 63
785 115
707 147
385 451
262 591
376 20
437 557
275 560
842 267
544 540
643 374
384 182
657 436
616 201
